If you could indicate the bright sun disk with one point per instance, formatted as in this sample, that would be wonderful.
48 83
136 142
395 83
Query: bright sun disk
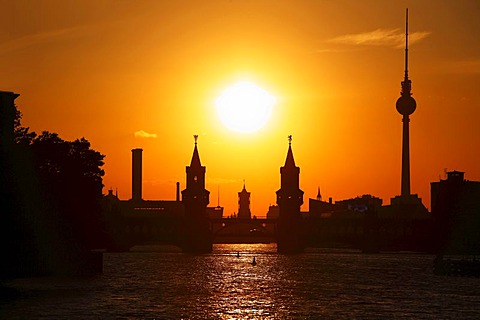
244 107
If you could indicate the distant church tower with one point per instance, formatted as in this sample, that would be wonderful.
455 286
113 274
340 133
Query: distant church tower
289 199
197 236
244 204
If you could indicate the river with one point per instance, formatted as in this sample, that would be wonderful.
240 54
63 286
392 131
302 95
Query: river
162 283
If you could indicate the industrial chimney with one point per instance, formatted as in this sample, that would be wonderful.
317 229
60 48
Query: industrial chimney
137 174
178 192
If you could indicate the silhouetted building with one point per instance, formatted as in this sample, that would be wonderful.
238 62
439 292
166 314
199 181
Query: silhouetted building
7 116
455 204
10 187
361 204
215 212
7 162
111 199
323 209
244 204
272 212
137 174
319 208
290 233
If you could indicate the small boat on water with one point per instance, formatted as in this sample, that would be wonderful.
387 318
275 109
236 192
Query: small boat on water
238 254
254 263
464 267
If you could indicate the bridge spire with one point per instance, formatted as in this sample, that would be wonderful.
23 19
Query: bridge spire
290 161
195 157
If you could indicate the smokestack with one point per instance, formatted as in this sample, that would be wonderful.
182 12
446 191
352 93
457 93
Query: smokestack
137 174
178 192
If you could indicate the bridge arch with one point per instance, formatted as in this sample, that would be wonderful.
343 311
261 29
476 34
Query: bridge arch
243 230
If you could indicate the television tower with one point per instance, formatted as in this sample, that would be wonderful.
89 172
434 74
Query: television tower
406 105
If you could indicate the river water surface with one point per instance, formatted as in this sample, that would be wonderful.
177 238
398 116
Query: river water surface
162 283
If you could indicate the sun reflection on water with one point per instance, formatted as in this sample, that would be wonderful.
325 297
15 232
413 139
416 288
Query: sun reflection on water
240 289
167 284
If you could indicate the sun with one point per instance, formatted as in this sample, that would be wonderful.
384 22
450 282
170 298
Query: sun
244 107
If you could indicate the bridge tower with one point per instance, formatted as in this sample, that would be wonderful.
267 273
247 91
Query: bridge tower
244 204
196 236
290 235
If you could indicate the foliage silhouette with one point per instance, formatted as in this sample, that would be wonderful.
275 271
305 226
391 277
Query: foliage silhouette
50 199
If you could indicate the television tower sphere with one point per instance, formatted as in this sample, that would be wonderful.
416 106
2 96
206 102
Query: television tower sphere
406 105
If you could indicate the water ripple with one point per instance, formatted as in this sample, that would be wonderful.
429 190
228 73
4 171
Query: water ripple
317 284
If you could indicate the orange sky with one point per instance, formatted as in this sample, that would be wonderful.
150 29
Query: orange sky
107 69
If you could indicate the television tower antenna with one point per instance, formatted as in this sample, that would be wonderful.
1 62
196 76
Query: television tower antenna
406 46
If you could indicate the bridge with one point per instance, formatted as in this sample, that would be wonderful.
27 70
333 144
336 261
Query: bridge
163 222
237 230
157 227
190 224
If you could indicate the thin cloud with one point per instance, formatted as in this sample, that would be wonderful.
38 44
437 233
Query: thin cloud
50 36
456 67
333 50
38 38
465 67
144 134
381 37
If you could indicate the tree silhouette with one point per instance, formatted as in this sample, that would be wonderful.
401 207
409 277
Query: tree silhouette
22 135
50 202
70 176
